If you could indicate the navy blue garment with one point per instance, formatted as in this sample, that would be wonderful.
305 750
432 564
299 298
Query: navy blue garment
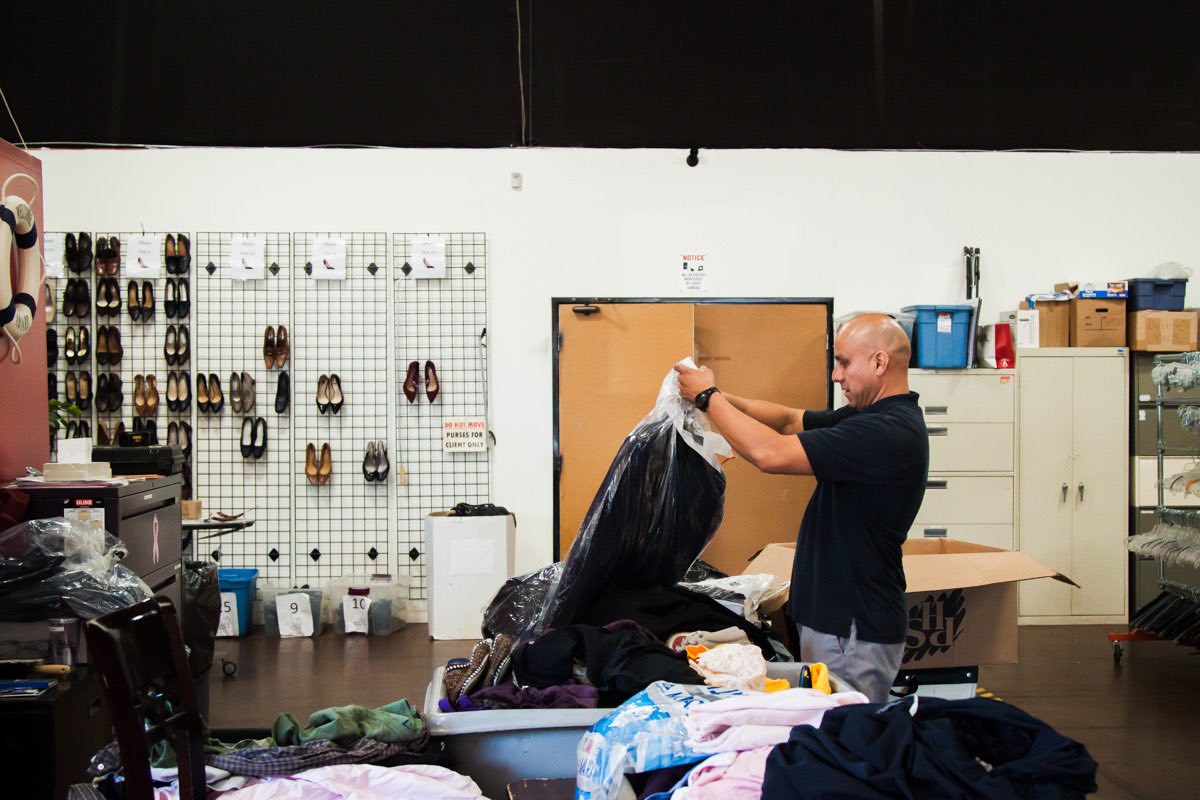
952 749
871 466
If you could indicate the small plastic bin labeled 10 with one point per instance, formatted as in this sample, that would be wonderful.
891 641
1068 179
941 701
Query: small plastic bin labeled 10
291 613
371 604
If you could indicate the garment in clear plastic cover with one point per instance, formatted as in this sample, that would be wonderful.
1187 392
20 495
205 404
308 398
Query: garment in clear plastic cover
750 591
88 580
656 510
518 602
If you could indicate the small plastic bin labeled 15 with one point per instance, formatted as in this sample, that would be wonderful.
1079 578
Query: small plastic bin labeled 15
291 613
371 604
237 600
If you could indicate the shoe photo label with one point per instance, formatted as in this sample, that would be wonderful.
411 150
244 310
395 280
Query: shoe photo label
143 256
295 615
247 258
329 258
427 255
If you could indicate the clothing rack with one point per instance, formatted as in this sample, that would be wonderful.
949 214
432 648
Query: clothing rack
1175 613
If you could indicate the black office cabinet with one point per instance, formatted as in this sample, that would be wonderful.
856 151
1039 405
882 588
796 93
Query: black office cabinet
145 515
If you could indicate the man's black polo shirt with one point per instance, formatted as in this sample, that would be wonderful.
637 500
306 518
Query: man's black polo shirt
871 466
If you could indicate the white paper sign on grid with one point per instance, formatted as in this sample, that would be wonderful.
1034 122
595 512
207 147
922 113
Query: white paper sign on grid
329 258
427 255
52 255
144 256
247 258
464 434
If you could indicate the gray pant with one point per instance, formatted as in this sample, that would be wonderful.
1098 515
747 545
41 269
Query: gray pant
869 667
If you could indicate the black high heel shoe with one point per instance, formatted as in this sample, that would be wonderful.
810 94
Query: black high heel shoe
147 300
382 465
133 303
246 442
260 437
336 398
184 309
283 393
171 298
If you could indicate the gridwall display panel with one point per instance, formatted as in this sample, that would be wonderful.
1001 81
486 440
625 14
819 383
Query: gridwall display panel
59 368
142 322
442 321
232 317
341 518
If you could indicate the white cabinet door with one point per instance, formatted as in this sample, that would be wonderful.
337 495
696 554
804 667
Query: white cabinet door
1099 491
1046 492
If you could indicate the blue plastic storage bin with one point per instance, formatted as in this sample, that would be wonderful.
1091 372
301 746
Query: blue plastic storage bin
242 582
942 334
1157 294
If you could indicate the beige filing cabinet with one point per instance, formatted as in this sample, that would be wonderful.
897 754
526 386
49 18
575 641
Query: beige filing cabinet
971 491
1073 485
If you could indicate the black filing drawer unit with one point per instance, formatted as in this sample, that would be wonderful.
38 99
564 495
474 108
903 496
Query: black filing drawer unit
146 515
46 742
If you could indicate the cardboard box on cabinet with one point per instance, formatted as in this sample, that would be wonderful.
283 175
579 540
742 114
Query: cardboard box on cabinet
1162 331
1097 322
962 599
1053 322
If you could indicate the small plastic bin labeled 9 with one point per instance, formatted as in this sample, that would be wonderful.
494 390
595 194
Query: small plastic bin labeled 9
370 604
290 613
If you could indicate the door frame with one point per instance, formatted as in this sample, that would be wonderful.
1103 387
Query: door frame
556 347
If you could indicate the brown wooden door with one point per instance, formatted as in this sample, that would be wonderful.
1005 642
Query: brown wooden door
769 351
610 368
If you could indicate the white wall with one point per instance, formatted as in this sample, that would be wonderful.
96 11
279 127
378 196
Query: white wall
871 229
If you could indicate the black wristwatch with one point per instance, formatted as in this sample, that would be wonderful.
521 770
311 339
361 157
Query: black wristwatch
703 398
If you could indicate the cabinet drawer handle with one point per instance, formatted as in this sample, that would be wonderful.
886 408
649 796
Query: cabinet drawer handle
936 484
938 431
935 533
937 409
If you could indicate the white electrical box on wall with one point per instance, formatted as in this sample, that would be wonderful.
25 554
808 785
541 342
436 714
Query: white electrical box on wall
468 560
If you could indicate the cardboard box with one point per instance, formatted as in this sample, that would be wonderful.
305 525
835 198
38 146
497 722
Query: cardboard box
1024 323
962 599
1097 323
1054 322
1162 331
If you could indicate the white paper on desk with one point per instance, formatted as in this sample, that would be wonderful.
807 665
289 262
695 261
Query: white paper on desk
354 609
228 626
474 557
295 615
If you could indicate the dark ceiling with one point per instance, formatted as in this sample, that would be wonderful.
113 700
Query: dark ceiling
886 74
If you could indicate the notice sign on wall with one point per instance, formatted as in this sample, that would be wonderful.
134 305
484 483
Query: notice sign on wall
464 435
694 278
329 258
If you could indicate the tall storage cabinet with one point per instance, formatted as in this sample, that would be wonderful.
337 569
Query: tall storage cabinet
1073 486
970 416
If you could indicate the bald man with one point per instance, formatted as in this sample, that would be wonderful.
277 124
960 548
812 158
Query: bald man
871 460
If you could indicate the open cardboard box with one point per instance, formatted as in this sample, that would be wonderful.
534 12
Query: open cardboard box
962 599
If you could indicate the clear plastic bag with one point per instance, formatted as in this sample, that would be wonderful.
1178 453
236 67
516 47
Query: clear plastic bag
87 580
1172 269
518 601
751 590
658 507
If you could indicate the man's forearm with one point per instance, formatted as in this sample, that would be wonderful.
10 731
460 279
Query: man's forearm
778 418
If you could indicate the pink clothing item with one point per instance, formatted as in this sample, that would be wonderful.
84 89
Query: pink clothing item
749 721
361 782
727 776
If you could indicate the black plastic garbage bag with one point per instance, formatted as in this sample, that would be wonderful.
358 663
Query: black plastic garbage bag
202 601
658 507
